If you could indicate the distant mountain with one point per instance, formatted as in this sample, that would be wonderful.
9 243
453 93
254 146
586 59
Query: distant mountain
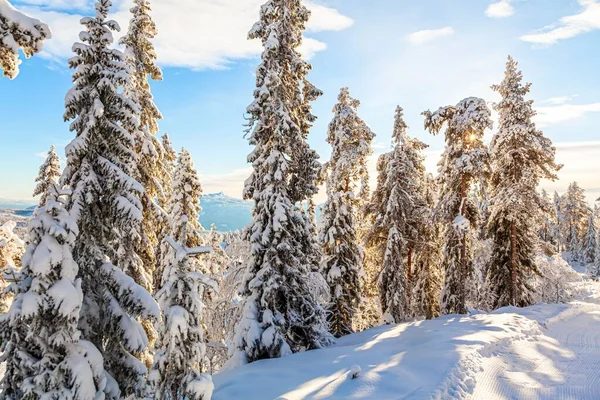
227 213
11 204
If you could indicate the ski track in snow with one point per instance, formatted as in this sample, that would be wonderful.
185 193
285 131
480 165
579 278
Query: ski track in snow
563 363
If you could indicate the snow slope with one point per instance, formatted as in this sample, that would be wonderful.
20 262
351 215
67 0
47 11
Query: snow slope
541 352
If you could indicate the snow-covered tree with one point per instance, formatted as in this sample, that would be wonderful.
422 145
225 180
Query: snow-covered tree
141 60
521 156
19 31
106 205
399 209
574 209
180 359
596 269
281 315
49 175
169 163
557 228
45 355
588 245
428 276
342 256
12 248
465 161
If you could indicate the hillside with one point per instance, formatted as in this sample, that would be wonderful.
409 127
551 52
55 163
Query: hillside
547 351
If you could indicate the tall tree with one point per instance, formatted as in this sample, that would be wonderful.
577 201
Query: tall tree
464 162
19 32
169 162
520 157
44 353
342 262
281 314
574 210
141 60
398 206
106 204
49 175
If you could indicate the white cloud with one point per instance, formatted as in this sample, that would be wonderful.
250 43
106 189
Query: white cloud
570 26
500 9
560 99
60 4
192 33
427 35
551 115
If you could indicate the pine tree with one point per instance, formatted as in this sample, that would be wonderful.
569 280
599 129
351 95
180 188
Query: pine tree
169 162
596 269
281 314
465 161
49 175
589 241
106 205
574 212
341 265
12 248
398 207
557 228
521 157
19 32
141 60
180 360
45 355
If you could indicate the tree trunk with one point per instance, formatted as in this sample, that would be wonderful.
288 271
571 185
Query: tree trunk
409 275
513 262
463 250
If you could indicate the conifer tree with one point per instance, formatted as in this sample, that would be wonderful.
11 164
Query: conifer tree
12 248
398 207
557 228
45 355
169 163
141 60
342 262
281 314
465 161
521 157
589 241
106 205
19 32
574 210
49 175
428 275
596 269
180 360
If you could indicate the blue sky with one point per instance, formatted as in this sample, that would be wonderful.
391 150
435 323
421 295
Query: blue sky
418 54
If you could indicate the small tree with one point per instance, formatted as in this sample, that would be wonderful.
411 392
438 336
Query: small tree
19 32
48 176
179 363
589 241
44 353
341 264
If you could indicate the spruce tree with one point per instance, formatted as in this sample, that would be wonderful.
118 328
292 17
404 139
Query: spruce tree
589 241
596 269
465 161
428 274
399 209
45 355
180 360
521 157
281 314
49 175
19 32
141 60
575 210
169 162
557 228
12 248
106 205
342 262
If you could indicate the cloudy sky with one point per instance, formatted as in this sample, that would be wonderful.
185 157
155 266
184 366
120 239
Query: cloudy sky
418 54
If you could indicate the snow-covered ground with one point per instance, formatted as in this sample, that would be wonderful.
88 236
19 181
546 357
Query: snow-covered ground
541 352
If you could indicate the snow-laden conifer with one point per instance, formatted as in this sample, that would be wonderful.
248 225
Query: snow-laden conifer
180 359
106 204
596 268
169 163
281 315
48 176
45 355
520 158
19 31
141 60
588 245
574 212
12 248
428 276
465 161
399 210
342 259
